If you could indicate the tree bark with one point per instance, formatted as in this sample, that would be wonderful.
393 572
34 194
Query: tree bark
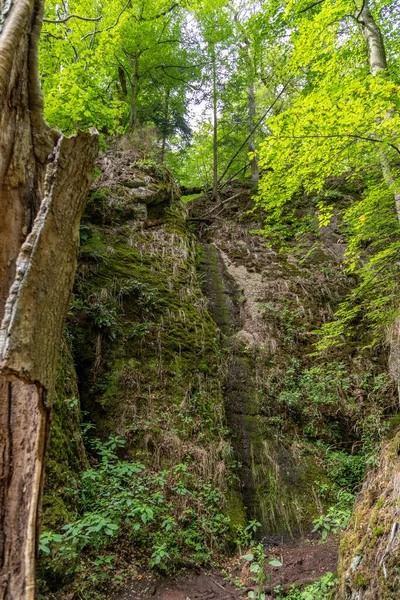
251 144
373 39
44 179
165 125
215 122
378 65
135 78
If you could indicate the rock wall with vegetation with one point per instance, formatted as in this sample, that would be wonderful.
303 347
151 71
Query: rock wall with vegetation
305 426
369 552
191 403
370 549
155 487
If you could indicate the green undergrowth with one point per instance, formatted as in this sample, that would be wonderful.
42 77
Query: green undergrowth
164 520
322 589
322 423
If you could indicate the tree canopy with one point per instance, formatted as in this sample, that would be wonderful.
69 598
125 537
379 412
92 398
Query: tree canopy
294 90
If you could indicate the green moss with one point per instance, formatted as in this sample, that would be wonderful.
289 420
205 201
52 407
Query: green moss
235 510
66 457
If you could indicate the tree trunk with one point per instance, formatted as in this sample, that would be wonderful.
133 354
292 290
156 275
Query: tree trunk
251 144
215 122
378 65
134 90
44 179
374 40
165 125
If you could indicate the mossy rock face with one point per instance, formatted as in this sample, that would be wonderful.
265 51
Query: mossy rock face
280 481
129 189
369 554
287 408
146 349
66 457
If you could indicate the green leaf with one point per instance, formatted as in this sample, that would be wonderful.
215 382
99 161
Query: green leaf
274 562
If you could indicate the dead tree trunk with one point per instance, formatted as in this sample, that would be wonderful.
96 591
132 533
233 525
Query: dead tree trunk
44 179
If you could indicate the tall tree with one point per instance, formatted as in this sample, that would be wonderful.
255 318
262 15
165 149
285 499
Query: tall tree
98 69
344 120
44 179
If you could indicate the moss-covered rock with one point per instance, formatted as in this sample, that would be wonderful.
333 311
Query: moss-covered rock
276 475
66 456
297 420
369 555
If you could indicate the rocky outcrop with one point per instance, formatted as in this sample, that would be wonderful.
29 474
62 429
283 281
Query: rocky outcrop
147 370
369 554
131 187
285 408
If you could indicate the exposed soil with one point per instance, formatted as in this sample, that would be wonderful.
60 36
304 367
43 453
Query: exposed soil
302 564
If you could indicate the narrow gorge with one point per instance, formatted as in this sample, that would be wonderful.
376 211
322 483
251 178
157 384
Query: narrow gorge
199 300
187 369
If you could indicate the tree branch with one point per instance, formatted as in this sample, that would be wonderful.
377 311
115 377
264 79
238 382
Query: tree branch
96 31
260 120
60 21
337 135
162 14
303 10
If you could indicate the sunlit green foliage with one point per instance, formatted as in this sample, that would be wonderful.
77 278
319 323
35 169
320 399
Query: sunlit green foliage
103 71
323 589
343 122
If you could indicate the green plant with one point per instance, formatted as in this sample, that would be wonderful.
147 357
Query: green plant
118 498
244 535
323 589
337 517
258 561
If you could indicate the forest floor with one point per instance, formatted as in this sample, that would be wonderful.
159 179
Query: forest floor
303 562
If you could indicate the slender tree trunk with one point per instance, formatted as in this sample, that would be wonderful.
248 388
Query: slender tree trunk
122 81
251 144
378 65
165 126
374 40
134 90
215 122
44 179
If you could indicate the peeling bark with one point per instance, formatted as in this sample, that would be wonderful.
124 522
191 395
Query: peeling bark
44 179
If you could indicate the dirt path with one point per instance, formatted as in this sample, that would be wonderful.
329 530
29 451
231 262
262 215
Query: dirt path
302 563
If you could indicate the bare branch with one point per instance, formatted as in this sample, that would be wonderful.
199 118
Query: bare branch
303 10
96 31
60 21
162 14
260 120
337 135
